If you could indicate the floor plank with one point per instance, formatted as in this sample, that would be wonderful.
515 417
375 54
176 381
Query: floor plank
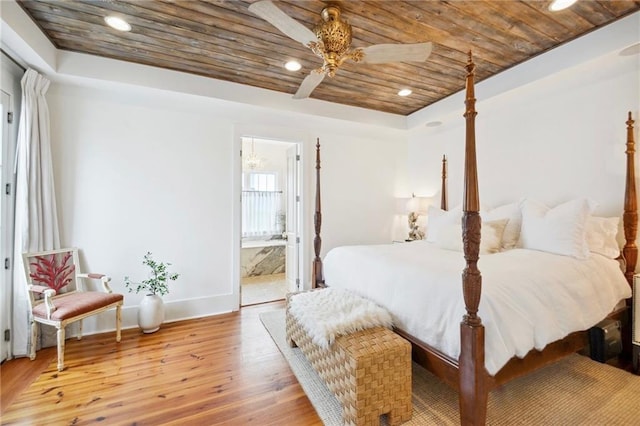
223 369
16 375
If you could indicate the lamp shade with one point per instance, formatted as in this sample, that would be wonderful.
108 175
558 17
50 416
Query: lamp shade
418 204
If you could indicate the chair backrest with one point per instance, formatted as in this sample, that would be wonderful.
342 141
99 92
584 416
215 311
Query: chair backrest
55 269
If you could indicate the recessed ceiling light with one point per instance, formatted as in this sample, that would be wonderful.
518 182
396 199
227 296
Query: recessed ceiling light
404 92
293 66
117 23
557 5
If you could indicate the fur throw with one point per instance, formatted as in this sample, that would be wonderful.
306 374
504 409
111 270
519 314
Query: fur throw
328 313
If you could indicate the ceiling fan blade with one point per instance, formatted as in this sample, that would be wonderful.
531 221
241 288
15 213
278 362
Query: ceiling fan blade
276 17
383 53
309 83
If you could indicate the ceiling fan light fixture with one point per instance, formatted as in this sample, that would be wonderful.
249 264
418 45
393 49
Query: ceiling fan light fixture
293 65
404 92
334 41
330 40
334 32
557 5
117 23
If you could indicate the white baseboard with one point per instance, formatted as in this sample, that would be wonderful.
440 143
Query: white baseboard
175 310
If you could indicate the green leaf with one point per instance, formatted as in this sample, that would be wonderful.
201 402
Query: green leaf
159 278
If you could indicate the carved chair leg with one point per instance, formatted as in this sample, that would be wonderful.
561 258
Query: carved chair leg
34 339
61 347
118 322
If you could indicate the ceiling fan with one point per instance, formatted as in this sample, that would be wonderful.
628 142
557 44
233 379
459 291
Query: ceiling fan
331 40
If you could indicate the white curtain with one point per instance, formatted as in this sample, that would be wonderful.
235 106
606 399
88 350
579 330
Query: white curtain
260 213
36 219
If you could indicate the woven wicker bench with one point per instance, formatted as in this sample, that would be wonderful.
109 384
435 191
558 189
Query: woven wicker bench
368 371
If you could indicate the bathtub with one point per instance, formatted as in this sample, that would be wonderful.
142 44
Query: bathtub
262 257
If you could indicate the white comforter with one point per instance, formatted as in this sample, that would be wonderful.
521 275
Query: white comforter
529 298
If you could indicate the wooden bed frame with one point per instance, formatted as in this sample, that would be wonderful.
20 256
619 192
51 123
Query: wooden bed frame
468 374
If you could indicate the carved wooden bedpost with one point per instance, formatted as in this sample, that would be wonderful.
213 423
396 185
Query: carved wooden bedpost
443 191
317 275
630 216
473 387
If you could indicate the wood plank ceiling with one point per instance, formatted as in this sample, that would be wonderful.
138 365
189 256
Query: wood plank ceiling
221 39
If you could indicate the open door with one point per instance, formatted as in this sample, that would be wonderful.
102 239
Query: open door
293 219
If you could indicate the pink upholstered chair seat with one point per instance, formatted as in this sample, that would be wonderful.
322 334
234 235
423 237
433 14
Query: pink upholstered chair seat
74 304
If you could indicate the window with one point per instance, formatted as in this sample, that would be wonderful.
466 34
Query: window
259 181
261 205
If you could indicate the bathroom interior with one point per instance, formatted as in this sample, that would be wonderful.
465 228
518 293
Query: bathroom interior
264 201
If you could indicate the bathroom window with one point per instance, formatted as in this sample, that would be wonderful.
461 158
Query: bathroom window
261 205
260 181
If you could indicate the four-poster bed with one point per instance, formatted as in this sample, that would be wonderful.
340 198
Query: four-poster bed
468 373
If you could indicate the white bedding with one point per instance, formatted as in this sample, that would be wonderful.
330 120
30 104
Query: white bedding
529 298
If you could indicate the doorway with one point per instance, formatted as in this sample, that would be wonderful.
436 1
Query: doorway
270 205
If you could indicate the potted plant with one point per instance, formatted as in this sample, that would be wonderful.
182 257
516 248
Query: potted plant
151 310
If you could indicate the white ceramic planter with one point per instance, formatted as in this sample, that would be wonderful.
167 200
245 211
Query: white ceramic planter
151 313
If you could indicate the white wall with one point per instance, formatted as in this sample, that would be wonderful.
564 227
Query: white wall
141 171
358 198
559 137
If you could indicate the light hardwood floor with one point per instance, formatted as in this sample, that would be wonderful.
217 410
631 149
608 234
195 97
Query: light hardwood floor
262 288
219 370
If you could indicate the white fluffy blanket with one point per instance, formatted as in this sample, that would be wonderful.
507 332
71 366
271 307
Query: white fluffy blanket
331 312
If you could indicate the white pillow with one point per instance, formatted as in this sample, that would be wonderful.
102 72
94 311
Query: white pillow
450 237
437 219
512 230
602 236
560 230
